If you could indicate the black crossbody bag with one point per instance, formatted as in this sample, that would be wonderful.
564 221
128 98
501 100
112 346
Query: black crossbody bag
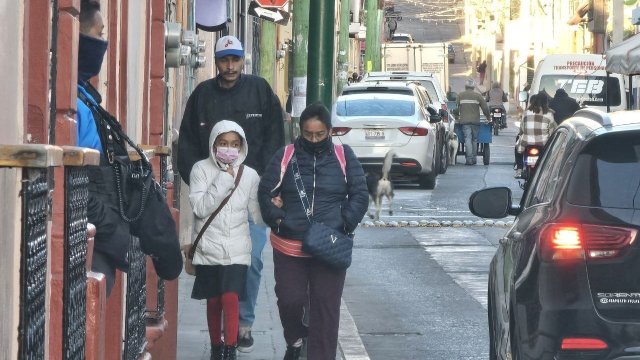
324 243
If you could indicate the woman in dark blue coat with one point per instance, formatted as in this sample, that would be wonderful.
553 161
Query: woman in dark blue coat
339 200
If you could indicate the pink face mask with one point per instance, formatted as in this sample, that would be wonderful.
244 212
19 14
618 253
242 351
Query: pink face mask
227 155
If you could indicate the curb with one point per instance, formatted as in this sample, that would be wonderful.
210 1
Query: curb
437 223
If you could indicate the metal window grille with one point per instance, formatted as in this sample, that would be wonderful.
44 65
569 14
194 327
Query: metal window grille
35 210
75 257
255 49
135 326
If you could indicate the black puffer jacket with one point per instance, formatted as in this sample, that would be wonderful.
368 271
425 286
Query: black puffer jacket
332 206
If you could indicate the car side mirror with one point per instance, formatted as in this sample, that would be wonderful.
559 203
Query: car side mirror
492 203
523 96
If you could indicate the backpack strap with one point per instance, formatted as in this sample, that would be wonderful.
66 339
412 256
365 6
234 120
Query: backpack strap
339 150
286 158
288 154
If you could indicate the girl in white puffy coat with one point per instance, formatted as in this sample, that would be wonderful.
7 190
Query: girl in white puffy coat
223 254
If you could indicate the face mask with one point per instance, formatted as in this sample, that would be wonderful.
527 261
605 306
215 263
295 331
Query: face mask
227 155
90 55
315 147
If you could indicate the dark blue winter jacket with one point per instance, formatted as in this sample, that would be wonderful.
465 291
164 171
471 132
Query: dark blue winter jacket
338 204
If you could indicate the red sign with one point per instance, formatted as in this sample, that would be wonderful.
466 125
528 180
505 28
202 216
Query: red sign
271 3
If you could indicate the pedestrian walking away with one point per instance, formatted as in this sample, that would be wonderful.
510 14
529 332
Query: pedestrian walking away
482 70
470 103
301 279
251 103
224 191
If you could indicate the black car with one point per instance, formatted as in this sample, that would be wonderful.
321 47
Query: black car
565 280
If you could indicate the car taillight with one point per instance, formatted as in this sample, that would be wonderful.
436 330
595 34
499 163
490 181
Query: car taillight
414 131
566 241
583 344
339 131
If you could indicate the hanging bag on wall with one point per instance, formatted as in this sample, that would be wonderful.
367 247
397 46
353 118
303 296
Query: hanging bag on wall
190 249
140 200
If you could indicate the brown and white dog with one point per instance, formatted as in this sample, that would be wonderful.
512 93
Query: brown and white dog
379 186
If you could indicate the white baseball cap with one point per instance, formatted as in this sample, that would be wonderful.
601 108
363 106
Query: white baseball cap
228 45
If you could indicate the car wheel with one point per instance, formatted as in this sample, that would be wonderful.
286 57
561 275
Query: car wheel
428 181
486 156
444 157
438 155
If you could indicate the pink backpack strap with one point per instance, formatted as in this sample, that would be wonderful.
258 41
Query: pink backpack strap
286 158
339 149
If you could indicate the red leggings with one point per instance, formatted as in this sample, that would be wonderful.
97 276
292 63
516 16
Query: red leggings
228 303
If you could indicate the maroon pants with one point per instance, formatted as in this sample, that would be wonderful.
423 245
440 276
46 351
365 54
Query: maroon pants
305 280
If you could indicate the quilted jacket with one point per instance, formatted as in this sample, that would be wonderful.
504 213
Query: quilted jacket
337 203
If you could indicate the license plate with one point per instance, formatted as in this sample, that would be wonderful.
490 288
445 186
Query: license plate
374 134
497 115
531 160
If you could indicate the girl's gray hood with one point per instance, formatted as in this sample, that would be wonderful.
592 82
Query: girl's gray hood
222 127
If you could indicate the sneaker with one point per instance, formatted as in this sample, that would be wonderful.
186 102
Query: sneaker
245 340
293 353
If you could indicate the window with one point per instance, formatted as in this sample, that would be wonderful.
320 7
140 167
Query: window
607 173
546 177
375 107
588 90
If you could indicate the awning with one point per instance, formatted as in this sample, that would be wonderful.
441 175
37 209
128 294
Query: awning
624 58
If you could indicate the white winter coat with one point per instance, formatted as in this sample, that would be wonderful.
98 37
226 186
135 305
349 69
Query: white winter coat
226 241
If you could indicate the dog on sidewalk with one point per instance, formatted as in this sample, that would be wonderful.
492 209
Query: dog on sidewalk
453 147
379 186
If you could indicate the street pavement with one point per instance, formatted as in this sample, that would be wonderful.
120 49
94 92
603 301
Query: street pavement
193 336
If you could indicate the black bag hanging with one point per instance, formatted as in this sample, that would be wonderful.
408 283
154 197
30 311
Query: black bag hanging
324 243
140 199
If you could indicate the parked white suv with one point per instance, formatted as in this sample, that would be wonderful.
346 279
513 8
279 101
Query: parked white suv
426 79
398 116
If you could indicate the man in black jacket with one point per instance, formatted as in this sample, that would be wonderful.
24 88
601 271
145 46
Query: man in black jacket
249 101
563 106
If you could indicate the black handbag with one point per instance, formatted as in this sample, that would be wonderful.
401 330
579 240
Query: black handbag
324 243
140 199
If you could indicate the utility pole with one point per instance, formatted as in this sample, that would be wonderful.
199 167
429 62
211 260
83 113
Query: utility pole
300 49
343 45
618 22
267 50
321 62
372 42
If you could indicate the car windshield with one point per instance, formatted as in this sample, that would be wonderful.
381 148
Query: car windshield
607 173
375 107
588 90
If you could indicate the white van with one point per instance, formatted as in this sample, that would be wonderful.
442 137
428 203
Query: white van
583 77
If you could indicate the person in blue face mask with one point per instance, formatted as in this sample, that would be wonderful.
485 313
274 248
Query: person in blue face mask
112 233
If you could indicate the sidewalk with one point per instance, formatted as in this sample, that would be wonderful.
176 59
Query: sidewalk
193 337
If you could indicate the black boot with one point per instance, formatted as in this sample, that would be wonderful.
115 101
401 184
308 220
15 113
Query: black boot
229 352
293 353
216 351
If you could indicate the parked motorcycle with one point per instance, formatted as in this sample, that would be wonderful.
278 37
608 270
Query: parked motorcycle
498 117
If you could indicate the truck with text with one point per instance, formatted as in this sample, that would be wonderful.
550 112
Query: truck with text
418 57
